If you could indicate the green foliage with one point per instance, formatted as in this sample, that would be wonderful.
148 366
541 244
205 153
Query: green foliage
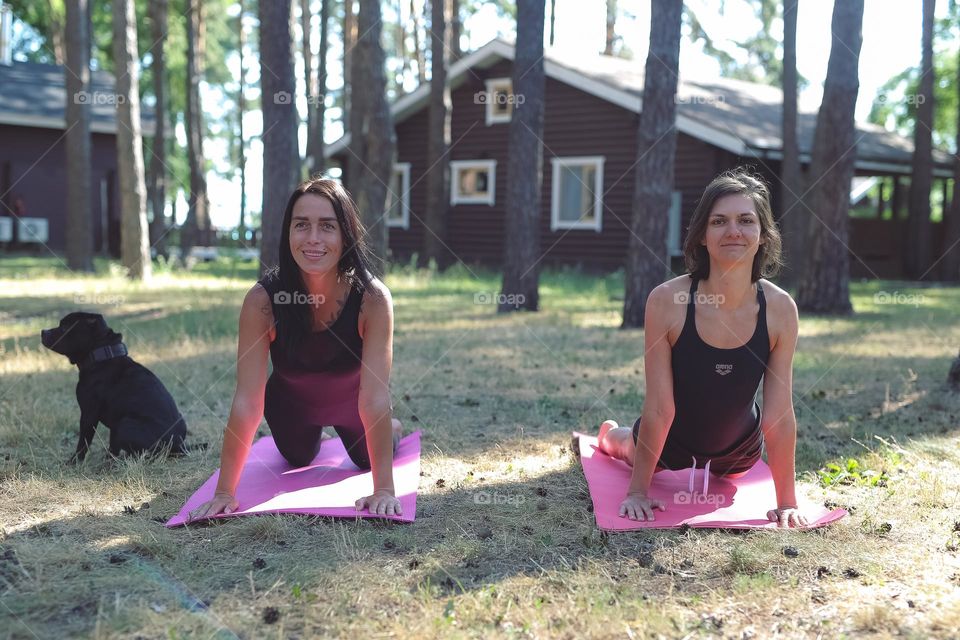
895 104
851 471
764 52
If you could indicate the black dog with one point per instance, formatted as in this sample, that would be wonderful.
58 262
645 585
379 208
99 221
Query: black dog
115 390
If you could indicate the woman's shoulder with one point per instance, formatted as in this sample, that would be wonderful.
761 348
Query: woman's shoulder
256 302
665 293
778 300
783 320
376 295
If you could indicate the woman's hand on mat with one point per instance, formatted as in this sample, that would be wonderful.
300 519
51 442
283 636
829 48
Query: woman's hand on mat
639 507
787 517
222 503
381 503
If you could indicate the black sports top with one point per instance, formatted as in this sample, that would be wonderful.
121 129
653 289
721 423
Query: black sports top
716 414
323 380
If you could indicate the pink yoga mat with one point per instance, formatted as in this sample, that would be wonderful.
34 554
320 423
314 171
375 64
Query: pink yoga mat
328 486
739 503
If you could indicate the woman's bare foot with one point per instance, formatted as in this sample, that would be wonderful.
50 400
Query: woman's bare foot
616 441
604 428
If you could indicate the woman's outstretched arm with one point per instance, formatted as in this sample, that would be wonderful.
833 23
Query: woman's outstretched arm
375 407
246 411
658 406
779 422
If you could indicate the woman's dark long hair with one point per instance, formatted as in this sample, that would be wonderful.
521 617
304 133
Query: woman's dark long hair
293 319
737 181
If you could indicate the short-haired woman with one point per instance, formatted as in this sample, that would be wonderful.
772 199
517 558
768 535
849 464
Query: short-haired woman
710 337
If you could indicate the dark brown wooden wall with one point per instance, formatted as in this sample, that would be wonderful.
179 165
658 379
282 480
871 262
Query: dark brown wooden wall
38 169
575 124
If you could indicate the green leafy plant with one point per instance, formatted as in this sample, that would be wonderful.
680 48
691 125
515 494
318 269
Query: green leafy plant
851 471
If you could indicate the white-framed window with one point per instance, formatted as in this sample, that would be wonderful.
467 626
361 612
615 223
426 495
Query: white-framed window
398 197
577 199
473 181
674 248
499 100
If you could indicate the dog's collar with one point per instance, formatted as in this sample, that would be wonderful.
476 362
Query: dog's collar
104 353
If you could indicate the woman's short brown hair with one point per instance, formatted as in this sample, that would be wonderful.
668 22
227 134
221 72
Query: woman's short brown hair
737 181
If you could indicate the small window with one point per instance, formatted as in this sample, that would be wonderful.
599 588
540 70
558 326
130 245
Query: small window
473 181
398 197
499 100
577 201
674 248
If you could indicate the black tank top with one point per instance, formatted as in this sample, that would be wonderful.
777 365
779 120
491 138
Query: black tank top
336 349
716 413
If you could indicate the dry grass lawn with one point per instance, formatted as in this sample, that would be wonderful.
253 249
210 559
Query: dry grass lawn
83 552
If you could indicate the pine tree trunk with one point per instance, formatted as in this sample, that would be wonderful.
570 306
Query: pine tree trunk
438 140
521 272
950 264
319 147
373 141
824 286
241 109
134 245
349 44
55 33
611 27
309 82
77 75
280 171
456 30
158 177
647 260
419 48
792 213
917 250
197 213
